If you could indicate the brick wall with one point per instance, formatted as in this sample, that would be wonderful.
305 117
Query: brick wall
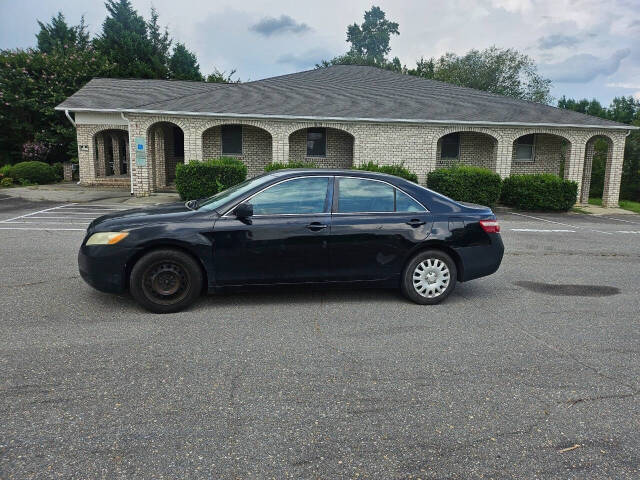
339 149
414 145
256 147
476 149
549 154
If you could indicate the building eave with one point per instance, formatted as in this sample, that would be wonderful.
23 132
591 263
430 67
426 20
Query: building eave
352 119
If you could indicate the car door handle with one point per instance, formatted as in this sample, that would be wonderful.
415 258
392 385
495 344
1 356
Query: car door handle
415 223
316 226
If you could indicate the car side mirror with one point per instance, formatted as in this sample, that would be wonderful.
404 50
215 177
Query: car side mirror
243 211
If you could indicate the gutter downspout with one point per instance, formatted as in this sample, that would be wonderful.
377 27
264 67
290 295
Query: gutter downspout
130 157
66 112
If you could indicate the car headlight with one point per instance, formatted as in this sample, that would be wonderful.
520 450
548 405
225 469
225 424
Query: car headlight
106 238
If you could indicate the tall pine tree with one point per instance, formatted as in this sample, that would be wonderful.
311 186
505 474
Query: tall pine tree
183 64
125 42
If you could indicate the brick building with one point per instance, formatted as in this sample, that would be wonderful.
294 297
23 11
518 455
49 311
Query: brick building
135 132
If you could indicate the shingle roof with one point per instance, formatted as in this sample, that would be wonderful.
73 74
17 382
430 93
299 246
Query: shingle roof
337 92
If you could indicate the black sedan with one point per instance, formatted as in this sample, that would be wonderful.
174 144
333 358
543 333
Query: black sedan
293 227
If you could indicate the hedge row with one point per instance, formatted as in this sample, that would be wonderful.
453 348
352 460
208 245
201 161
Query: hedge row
397 170
525 192
196 180
539 192
30 172
467 184
280 166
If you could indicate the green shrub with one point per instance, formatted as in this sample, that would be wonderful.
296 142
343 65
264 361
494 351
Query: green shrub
202 179
5 170
397 170
280 166
32 172
6 182
466 184
58 170
539 192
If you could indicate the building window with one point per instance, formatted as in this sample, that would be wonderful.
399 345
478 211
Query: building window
450 146
232 139
316 142
525 148
178 142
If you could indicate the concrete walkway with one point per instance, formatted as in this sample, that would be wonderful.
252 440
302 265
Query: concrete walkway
72 192
596 210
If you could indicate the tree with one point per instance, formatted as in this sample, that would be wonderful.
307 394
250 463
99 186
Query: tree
589 107
124 41
497 70
371 39
160 44
369 43
221 77
183 64
32 83
59 35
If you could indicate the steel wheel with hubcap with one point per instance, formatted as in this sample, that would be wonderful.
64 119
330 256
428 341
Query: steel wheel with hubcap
165 281
429 277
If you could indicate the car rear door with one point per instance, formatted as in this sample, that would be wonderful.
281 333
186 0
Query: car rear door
286 240
373 227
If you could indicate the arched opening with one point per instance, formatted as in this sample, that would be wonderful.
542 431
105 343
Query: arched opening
467 148
597 155
324 147
165 149
250 144
540 153
111 153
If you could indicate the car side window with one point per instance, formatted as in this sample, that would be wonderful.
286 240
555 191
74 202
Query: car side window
404 203
358 195
297 196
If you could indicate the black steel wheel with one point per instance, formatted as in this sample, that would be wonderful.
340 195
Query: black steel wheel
165 281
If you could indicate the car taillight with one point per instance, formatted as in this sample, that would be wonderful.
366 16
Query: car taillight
490 226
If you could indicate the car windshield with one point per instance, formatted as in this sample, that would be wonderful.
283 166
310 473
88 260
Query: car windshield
228 195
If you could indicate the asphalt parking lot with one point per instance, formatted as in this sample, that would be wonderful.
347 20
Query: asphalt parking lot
533 372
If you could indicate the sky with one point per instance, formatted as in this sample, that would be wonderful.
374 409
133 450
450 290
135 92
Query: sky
586 47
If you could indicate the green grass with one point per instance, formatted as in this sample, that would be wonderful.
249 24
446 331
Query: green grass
624 204
580 210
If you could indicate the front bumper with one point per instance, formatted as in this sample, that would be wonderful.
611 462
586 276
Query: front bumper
104 267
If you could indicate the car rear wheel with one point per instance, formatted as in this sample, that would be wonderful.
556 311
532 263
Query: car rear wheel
429 277
165 281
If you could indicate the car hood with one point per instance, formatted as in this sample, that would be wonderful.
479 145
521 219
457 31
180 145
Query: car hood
171 212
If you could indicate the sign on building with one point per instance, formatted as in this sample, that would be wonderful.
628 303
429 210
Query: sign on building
141 151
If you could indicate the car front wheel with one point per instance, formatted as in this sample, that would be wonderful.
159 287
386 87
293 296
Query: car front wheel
429 277
165 281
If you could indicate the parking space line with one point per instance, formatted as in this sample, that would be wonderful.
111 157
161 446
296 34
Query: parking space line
621 220
541 230
33 213
54 223
560 223
46 229
60 218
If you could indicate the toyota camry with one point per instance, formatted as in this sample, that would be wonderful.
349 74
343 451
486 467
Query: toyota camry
299 226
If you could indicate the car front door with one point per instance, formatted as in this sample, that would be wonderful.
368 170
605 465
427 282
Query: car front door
373 227
285 240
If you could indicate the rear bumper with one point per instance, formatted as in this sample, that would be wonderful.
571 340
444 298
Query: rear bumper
481 260
104 267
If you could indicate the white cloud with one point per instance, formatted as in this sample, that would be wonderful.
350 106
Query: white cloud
584 67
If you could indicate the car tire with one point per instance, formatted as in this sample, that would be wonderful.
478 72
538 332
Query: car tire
165 281
429 277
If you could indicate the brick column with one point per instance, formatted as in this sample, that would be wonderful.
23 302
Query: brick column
504 156
575 163
159 160
613 173
115 146
586 172
101 156
280 147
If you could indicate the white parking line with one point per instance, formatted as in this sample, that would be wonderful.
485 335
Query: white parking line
627 231
46 229
540 230
559 223
33 213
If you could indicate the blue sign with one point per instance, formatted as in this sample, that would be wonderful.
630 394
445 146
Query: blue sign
141 153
